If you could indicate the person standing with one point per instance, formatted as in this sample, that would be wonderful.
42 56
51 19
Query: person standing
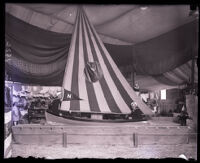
56 103
183 116
15 114
136 88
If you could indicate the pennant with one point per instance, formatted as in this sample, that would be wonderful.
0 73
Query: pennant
68 96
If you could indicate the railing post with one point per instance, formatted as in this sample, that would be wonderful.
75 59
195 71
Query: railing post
188 138
135 140
64 139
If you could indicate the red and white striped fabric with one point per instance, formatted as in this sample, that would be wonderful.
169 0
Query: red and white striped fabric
179 76
111 93
182 73
8 123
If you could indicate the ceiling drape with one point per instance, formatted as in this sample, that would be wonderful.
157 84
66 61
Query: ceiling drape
166 52
39 56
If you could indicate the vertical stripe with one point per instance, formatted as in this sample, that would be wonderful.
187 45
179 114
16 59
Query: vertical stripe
7 129
96 97
174 78
7 142
7 117
84 104
9 154
90 88
74 104
111 93
188 67
112 106
184 68
8 125
65 105
195 73
120 77
125 97
8 151
180 74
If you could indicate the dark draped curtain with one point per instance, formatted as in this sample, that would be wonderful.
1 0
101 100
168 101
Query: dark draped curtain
39 56
166 52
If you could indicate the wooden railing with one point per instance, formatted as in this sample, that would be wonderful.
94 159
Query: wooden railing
135 139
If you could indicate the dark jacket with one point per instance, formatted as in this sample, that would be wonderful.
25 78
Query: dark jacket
55 104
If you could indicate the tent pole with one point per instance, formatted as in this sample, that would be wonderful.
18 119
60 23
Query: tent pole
133 72
192 73
133 76
194 55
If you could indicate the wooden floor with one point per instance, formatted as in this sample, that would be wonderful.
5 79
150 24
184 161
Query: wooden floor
105 151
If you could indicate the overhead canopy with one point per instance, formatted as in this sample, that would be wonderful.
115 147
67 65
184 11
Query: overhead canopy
155 41
126 23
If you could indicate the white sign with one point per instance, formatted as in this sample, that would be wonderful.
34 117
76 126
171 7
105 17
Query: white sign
163 94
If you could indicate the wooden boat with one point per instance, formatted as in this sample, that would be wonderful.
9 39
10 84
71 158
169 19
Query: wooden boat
64 117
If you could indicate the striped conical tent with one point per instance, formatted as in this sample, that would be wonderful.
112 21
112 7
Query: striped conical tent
109 92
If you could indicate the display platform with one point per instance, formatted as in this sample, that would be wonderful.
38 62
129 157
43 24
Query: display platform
126 134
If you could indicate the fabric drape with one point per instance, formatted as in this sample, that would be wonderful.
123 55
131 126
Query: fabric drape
178 76
166 52
40 56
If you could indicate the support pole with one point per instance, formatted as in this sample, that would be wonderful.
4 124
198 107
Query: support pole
192 72
135 140
133 72
188 139
133 77
194 55
64 139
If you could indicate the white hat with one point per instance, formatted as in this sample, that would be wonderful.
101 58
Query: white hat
58 93
133 103
183 156
183 108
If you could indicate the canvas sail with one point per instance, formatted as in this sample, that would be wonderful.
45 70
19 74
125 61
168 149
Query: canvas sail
92 76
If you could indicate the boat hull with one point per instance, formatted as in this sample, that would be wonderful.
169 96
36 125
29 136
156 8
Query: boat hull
51 117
